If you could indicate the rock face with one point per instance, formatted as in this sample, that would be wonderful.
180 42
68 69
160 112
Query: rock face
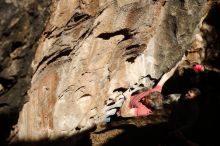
21 24
89 50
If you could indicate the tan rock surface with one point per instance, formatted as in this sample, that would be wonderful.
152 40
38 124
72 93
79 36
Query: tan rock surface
92 48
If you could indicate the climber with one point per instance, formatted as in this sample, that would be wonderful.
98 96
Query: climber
141 104
144 103
185 113
193 78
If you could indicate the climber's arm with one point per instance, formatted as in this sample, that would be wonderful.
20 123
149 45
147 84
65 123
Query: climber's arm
125 110
169 74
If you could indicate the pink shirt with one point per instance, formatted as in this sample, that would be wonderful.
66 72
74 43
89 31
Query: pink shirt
140 109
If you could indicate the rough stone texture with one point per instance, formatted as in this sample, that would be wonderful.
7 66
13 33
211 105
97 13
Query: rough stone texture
91 49
21 24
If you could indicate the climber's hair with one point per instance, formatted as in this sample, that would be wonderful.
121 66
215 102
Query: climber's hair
154 95
141 90
156 98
